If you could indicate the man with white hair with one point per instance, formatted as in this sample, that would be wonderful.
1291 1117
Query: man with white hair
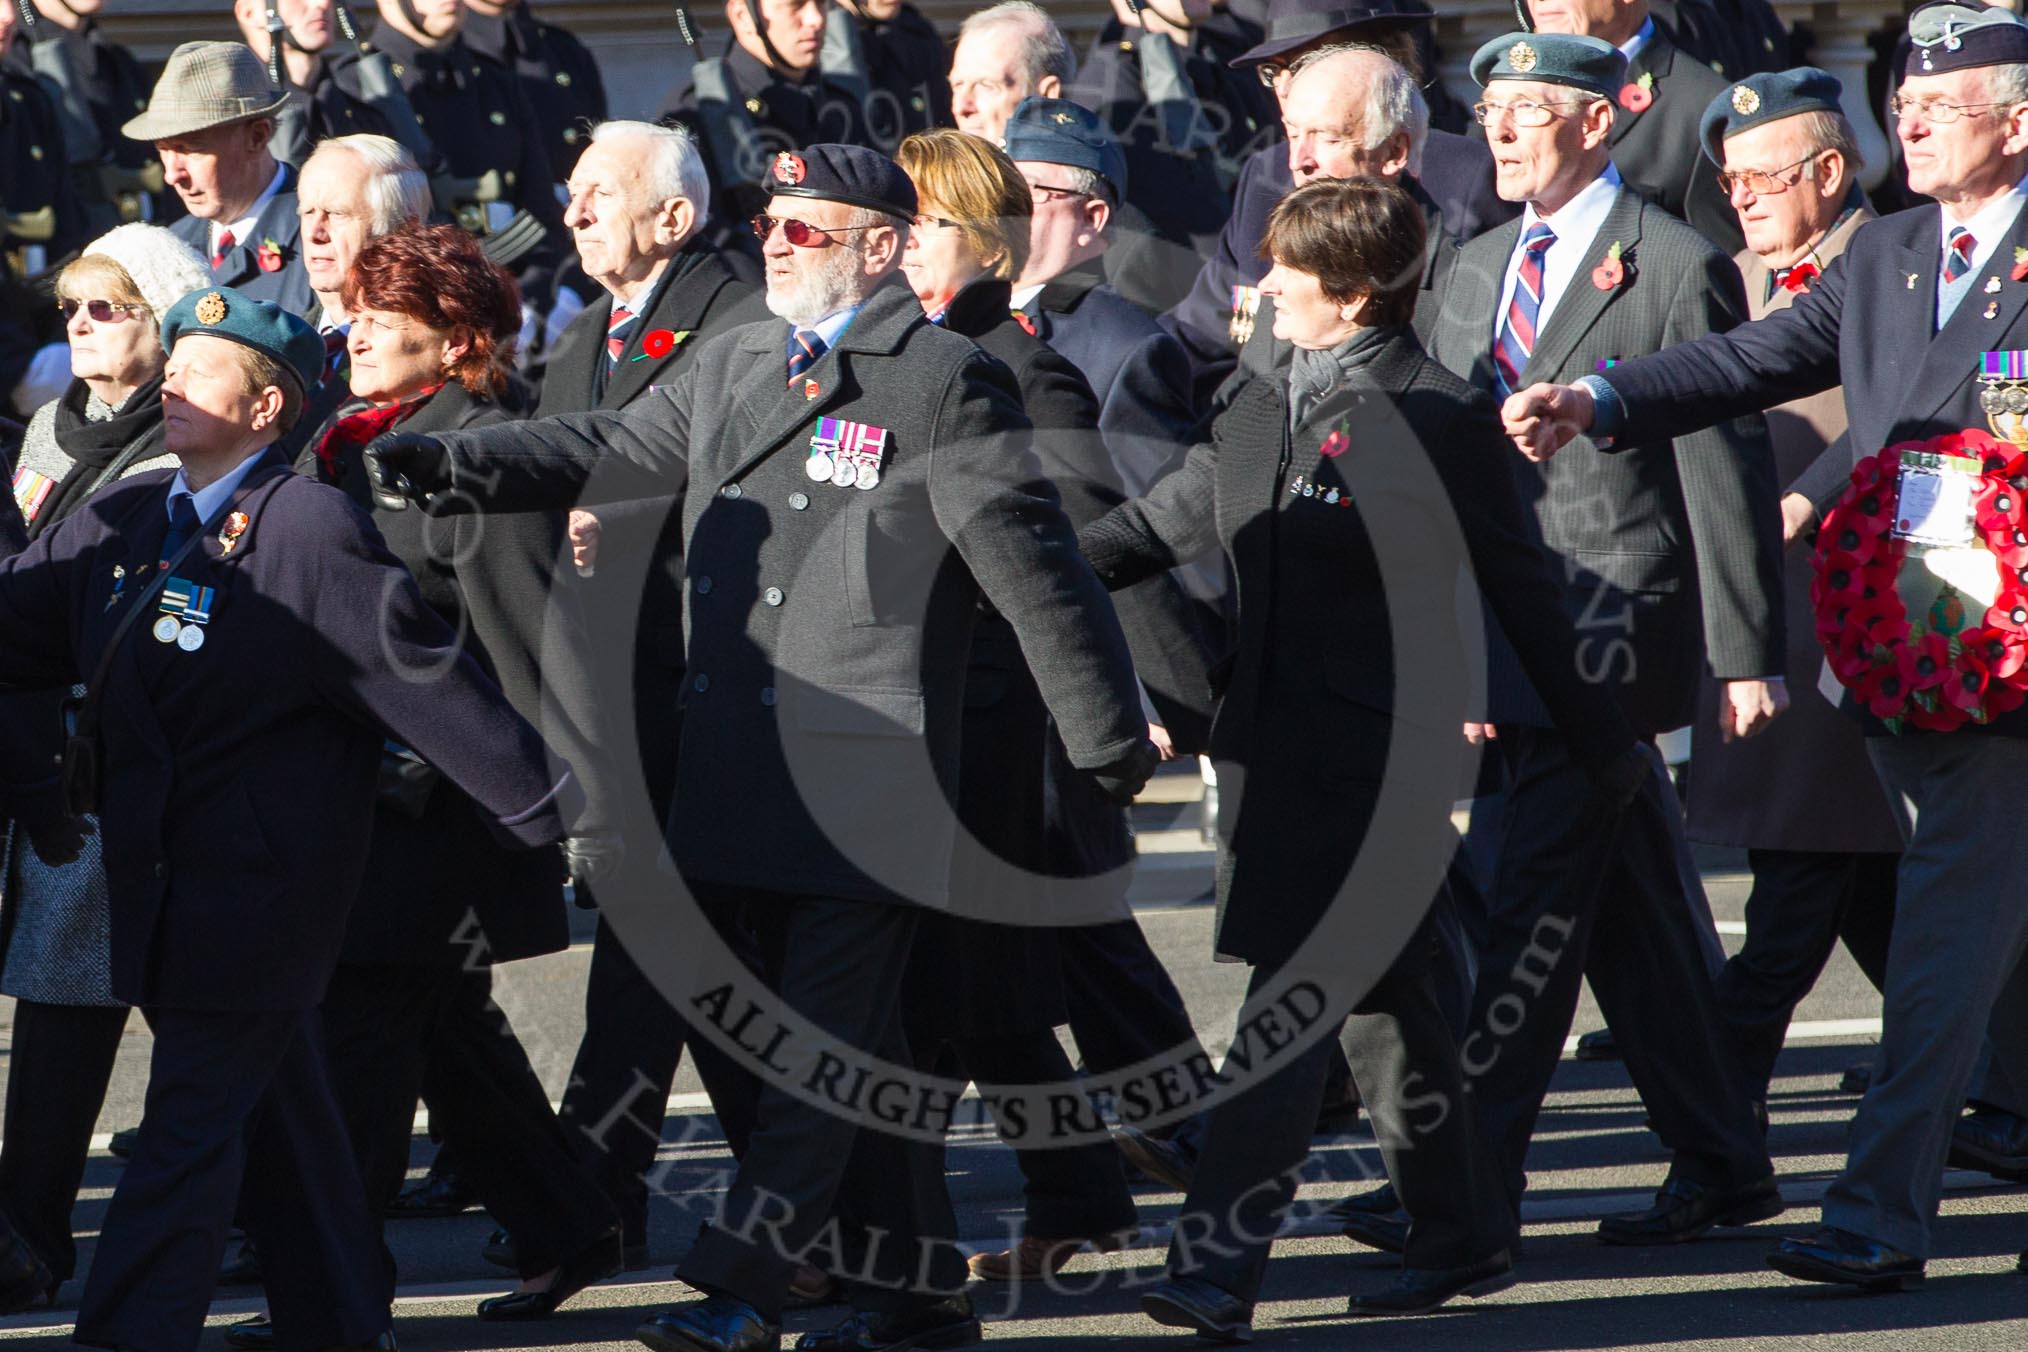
1005 54
637 203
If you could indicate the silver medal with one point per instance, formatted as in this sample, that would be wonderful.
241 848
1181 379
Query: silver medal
191 639
869 476
167 628
818 467
843 474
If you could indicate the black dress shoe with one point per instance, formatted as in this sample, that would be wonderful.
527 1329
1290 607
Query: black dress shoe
1856 1079
1421 1290
595 1262
1169 1162
1828 1254
439 1194
1193 1303
1375 1201
24 1281
252 1335
1993 1141
1386 1231
1597 1045
944 1323
243 1268
121 1147
714 1324
1683 1210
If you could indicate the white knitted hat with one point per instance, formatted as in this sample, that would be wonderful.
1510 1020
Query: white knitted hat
164 269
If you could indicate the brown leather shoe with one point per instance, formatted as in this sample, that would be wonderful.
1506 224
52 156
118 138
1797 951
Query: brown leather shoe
810 1286
1033 1257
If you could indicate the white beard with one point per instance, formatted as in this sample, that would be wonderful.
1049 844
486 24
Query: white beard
835 282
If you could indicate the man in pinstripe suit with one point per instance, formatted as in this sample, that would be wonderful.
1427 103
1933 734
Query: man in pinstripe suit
1660 546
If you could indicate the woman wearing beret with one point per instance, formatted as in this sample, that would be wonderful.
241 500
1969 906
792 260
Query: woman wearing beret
106 426
1349 494
410 1008
248 646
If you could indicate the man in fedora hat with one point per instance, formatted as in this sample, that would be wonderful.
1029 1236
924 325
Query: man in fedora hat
209 119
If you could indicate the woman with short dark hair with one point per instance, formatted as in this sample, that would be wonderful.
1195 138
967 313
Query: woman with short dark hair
1350 494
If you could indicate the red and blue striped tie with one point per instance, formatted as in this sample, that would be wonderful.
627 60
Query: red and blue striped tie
1958 253
616 329
805 346
1517 332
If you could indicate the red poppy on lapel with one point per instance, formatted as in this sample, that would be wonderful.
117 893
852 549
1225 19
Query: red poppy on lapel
1799 277
1334 445
660 343
2020 270
1611 272
269 256
1027 324
1637 96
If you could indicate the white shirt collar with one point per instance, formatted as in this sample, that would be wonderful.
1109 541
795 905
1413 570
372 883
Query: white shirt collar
832 326
1631 48
243 228
1023 295
1575 225
214 494
1991 225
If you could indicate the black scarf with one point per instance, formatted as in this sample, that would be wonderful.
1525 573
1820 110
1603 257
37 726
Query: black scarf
100 451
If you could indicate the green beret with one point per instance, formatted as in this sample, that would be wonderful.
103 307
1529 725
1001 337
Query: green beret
1584 63
267 328
1766 97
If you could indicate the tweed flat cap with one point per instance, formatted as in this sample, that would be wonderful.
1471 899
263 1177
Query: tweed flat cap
1586 63
206 85
1961 34
840 173
1766 97
1298 23
1057 131
221 312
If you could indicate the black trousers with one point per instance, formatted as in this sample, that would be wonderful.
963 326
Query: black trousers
1573 898
840 964
57 1070
1404 1059
392 1029
626 1064
232 1094
1124 1007
1802 903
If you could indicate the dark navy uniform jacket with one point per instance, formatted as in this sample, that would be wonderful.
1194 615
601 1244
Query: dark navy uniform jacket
829 626
287 285
1457 175
238 785
557 74
908 70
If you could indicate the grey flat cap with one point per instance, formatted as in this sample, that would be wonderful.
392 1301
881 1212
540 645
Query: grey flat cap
206 85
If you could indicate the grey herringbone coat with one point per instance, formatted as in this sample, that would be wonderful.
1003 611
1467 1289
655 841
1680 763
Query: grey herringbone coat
1665 539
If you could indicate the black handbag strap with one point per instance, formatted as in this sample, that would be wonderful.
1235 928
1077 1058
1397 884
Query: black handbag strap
88 712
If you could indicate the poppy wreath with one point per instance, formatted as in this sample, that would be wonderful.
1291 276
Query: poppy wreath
1905 672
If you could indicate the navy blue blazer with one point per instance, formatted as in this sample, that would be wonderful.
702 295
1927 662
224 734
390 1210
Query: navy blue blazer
1457 176
238 787
287 286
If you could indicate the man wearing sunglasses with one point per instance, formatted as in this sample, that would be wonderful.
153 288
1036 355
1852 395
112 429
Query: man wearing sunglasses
856 479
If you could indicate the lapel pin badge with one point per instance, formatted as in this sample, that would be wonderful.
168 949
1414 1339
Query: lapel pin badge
1992 309
1911 280
1993 285
229 533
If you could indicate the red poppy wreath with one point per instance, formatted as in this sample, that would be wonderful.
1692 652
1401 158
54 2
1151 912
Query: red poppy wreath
1942 666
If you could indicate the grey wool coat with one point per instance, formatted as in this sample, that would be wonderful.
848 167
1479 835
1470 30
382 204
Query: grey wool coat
828 628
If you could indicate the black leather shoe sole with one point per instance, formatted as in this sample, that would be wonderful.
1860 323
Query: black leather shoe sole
1176 1315
1972 1155
1405 1303
597 1263
1806 1268
253 1335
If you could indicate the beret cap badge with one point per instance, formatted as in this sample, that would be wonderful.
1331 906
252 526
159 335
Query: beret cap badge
789 167
1521 57
1745 100
211 310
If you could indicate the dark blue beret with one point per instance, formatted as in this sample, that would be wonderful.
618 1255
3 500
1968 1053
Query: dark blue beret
261 325
1765 97
1586 63
1057 131
1298 23
839 173
1961 34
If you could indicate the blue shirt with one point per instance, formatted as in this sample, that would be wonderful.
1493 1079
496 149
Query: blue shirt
213 495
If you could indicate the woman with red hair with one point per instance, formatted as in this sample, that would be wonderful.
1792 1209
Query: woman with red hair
431 344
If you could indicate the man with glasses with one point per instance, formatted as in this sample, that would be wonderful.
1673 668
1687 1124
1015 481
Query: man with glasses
1214 320
1664 93
854 479
1901 322
1672 555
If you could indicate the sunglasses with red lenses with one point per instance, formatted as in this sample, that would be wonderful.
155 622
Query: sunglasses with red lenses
801 234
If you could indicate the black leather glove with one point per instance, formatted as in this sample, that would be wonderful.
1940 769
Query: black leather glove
589 858
406 467
1122 779
1620 779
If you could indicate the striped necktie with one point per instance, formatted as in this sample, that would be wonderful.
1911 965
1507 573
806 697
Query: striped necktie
805 347
222 248
616 335
1958 254
1516 342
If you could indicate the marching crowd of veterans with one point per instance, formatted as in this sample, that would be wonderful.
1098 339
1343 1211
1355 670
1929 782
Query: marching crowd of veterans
798 527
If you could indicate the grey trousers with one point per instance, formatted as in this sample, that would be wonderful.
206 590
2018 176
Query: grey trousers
1960 929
